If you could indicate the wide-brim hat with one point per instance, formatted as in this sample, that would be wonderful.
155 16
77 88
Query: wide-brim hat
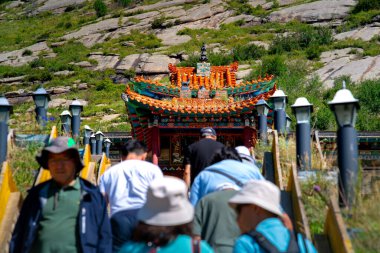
261 193
167 203
59 145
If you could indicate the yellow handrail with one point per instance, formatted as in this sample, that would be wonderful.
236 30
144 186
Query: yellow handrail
335 230
105 163
276 161
300 218
44 175
88 170
6 188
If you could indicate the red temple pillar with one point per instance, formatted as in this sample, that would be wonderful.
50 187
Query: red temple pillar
155 144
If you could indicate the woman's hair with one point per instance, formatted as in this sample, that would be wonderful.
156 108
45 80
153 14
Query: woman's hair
159 235
224 154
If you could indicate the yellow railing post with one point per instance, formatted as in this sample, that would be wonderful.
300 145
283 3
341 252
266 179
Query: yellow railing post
335 230
6 188
44 175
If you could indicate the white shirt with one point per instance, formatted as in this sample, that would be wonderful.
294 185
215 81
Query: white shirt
126 184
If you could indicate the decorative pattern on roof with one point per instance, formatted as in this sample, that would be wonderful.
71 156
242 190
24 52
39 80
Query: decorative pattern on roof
154 88
202 106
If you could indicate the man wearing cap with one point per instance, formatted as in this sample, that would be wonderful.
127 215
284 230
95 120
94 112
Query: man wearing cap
259 218
199 154
64 214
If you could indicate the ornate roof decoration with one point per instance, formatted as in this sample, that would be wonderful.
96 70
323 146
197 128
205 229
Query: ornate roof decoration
194 98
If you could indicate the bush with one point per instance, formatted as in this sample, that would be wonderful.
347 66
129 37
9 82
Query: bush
41 76
130 73
220 59
125 3
158 22
273 65
366 5
313 52
100 8
303 38
27 52
247 52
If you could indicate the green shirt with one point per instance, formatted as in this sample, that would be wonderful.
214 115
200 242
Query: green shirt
57 227
215 221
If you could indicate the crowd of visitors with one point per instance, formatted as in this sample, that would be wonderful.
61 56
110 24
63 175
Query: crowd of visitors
223 205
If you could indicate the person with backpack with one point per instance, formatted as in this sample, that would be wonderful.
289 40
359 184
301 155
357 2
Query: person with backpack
259 218
166 221
226 167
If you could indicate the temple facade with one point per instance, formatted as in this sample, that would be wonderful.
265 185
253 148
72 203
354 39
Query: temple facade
168 117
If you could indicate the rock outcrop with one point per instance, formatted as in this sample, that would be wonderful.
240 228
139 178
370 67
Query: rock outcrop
56 6
365 33
347 62
314 12
26 55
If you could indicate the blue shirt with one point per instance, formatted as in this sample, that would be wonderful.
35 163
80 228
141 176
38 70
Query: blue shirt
208 181
276 233
182 243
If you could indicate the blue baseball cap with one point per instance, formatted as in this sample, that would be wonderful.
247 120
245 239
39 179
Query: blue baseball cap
206 131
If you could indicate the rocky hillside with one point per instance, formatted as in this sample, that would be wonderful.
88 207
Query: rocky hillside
89 49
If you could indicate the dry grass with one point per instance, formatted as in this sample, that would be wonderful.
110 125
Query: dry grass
364 222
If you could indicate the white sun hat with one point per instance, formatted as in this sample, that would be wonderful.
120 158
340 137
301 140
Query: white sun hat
261 193
167 203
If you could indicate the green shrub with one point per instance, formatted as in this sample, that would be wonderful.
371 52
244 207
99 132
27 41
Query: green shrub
273 65
282 44
247 52
42 76
313 52
366 5
158 22
302 38
24 165
220 59
125 3
130 73
27 52
100 8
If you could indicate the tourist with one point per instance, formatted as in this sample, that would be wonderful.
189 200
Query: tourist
124 185
64 214
215 220
165 221
226 167
246 156
198 155
260 221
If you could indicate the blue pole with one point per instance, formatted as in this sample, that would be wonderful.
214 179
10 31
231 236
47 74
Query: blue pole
99 147
347 141
303 144
41 116
107 151
75 125
263 128
93 148
280 121
3 142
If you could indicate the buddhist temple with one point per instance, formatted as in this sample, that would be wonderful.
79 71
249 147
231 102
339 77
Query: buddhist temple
168 117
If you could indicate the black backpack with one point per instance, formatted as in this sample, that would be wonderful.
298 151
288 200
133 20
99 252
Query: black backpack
270 248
